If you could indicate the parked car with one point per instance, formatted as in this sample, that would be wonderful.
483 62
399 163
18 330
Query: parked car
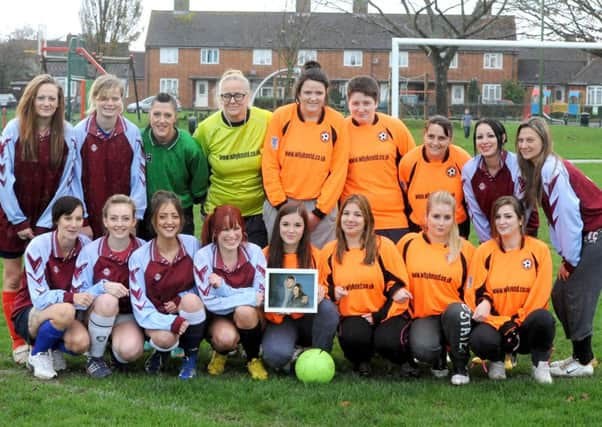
8 100
145 105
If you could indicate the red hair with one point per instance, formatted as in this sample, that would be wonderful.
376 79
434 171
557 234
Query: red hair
223 217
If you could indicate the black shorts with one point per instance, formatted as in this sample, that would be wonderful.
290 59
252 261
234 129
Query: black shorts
21 323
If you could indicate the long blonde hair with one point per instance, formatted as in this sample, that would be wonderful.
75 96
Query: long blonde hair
454 241
101 85
26 113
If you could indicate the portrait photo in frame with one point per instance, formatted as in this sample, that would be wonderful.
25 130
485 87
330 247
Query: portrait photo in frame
291 290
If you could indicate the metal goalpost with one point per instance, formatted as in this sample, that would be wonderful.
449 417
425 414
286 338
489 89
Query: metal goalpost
396 42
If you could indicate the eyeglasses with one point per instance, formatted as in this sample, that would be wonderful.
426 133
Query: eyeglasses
237 96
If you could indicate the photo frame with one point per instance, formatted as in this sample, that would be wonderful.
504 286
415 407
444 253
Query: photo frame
291 290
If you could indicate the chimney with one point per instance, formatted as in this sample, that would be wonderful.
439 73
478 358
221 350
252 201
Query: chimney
360 6
303 6
181 5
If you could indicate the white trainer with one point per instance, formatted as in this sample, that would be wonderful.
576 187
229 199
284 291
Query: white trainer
58 360
562 363
20 354
460 379
573 369
496 371
41 364
541 373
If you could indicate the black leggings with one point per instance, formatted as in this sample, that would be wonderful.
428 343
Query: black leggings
360 340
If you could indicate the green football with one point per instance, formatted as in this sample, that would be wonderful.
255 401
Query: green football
314 366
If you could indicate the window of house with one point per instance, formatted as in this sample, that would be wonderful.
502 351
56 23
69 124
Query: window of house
594 95
352 58
493 61
404 60
262 56
209 56
454 62
169 85
168 55
305 55
491 93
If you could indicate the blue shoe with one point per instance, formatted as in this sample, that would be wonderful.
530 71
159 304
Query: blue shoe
96 367
188 369
156 362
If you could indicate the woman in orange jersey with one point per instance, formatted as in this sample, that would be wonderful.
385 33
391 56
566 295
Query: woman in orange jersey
508 287
366 277
437 261
290 247
434 166
377 142
305 156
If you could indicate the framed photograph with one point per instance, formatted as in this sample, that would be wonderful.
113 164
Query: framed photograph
291 290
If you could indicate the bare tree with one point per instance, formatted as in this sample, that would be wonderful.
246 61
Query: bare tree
18 56
563 19
439 19
106 22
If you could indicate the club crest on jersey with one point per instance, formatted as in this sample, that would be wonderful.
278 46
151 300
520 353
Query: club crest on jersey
527 264
325 137
382 136
94 147
56 269
157 277
106 271
482 186
451 172
148 157
274 142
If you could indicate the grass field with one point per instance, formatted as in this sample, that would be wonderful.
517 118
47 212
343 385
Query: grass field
382 400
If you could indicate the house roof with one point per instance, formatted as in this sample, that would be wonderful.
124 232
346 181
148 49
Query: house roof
561 67
589 74
555 71
249 30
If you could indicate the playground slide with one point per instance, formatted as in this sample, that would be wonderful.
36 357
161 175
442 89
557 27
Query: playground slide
553 120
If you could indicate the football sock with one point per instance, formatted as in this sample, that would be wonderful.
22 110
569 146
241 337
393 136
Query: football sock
582 350
100 328
251 340
8 299
47 337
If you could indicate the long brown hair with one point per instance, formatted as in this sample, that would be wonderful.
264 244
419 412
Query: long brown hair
518 209
531 169
368 239
28 131
276 248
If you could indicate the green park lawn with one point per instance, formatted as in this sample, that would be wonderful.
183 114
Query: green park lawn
381 400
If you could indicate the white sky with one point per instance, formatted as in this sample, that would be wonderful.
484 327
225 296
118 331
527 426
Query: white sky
60 17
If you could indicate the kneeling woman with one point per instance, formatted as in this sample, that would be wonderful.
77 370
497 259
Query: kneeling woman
230 274
45 305
365 275
291 247
102 270
162 289
437 261
510 282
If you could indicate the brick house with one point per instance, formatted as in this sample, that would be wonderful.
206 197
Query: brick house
187 51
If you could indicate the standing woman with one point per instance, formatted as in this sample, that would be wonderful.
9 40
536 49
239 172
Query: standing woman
572 204
508 288
377 144
366 277
492 173
102 270
111 151
290 247
305 156
38 160
437 261
230 274
434 166
45 306
232 140
162 290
